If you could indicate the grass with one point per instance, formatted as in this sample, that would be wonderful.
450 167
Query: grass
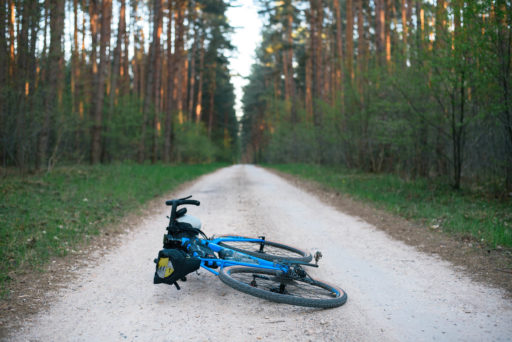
48 215
470 215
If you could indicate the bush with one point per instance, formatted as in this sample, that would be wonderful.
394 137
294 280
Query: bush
193 145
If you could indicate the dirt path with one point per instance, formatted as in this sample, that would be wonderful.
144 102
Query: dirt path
395 292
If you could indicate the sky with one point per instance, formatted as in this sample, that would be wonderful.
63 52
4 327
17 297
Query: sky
247 23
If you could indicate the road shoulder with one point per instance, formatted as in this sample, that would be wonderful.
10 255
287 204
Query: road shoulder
32 292
491 267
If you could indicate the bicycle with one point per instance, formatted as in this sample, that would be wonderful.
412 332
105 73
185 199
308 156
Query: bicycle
255 266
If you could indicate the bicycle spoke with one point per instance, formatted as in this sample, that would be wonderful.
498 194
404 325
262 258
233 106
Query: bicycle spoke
294 287
268 250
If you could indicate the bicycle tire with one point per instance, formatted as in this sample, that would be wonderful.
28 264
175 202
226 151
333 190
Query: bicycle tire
317 294
278 251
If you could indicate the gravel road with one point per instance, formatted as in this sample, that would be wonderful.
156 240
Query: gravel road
395 293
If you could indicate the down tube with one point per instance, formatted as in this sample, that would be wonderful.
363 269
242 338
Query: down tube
259 262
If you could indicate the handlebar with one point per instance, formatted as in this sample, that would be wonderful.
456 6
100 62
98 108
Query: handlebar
175 203
181 201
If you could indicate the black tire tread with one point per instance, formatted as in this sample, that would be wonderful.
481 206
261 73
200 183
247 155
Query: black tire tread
278 297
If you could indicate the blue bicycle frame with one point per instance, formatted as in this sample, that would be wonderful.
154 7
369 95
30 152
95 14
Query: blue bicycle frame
277 276
243 259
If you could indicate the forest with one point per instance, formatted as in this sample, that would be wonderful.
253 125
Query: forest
412 87
95 81
419 88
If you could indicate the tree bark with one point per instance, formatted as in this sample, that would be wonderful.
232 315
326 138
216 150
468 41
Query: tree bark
405 28
201 76
387 31
114 77
192 82
99 83
212 89
380 30
4 72
179 31
124 87
309 71
75 69
362 49
93 17
156 65
316 25
339 53
350 40
288 61
75 75
440 26
170 87
22 83
504 50
12 23
53 77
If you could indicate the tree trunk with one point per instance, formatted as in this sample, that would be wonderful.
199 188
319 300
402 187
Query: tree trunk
22 84
387 31
179 31
12 23
440 24
201 76
75 70
308 102
212 88
4 72
504 50
99 83
124 87
380 30
53 77
170 88
156 65
114 77
75 75
350 40
339 53
82 72
457 129
362 50
288 62
405 28
316 24
192 82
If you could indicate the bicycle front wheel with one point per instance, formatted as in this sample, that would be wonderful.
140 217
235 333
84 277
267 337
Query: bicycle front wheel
266 250
273 285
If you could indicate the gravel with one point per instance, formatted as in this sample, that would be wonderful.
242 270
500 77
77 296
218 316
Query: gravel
396 293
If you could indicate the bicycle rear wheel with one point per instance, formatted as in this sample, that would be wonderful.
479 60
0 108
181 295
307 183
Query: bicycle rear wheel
273 285
267 250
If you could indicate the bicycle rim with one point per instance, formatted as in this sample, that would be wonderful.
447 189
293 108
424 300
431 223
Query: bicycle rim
274 286
271 250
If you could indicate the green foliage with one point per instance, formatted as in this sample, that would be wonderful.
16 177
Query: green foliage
123 134
468 214
52 214
132 126
439 109
194 146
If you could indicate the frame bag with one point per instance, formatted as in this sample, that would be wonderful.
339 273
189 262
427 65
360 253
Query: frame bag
173 265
